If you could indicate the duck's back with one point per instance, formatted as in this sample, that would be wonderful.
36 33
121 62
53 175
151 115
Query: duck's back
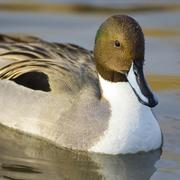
50 90
25 59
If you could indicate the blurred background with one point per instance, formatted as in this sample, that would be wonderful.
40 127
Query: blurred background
76 21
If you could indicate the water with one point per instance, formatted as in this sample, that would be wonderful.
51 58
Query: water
27 158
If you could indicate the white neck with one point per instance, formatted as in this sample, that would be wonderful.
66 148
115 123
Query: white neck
132 126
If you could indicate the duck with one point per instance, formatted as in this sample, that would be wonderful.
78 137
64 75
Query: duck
94 101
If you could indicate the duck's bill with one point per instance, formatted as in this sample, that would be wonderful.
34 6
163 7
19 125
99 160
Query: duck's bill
140 87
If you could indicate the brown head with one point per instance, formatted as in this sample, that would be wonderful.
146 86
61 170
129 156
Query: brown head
119 55
119 41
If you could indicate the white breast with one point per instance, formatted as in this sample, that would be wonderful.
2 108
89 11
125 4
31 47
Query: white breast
132 126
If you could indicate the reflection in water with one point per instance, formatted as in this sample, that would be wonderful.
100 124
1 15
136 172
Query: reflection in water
24 157
128 167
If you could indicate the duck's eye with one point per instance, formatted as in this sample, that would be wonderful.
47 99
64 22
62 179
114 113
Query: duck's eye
117 43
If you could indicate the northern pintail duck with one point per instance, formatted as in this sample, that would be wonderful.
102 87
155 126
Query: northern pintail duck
98 102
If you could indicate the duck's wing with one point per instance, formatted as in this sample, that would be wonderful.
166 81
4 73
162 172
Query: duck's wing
40 65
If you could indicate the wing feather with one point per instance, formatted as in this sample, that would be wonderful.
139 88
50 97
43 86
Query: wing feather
67 66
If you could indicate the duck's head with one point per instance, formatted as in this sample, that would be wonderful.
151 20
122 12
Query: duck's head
119 55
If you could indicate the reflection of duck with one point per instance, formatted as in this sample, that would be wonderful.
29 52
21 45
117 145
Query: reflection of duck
65 102
127 167
34 159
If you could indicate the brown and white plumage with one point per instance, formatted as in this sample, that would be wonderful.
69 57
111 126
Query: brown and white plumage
20 55
69 72
64 94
